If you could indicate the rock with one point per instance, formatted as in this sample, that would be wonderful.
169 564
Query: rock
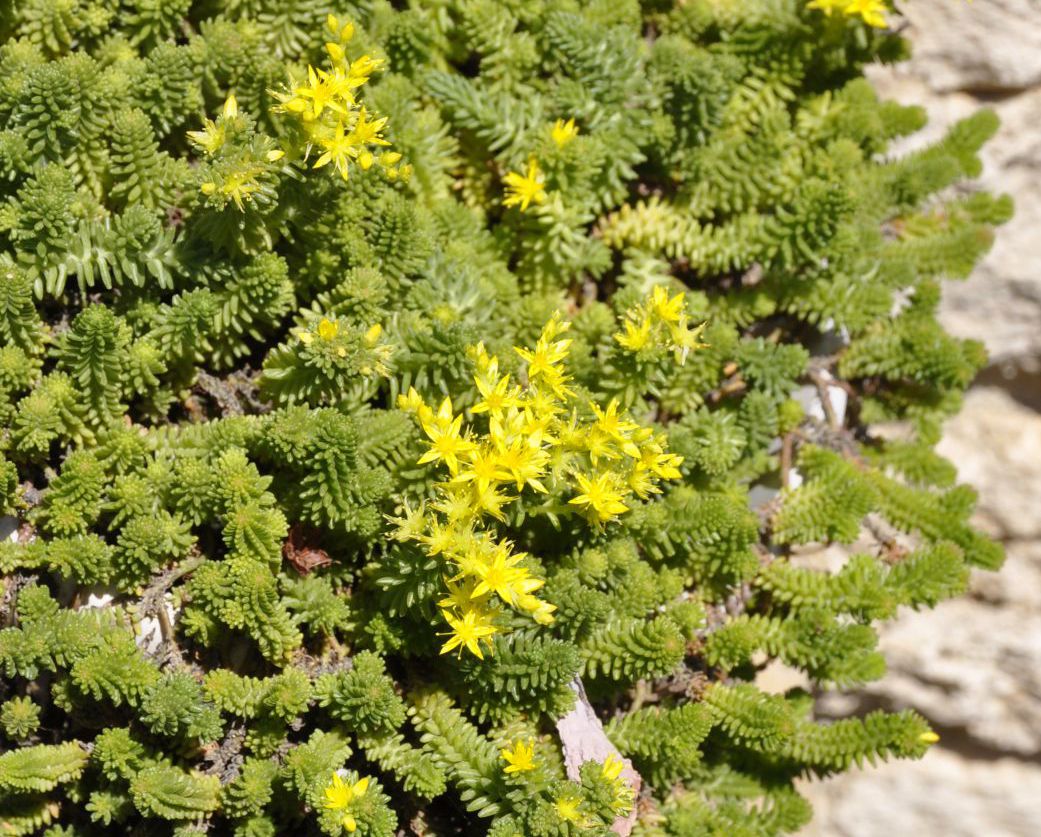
972 666
945 794
1001 302
1019 581
968 667
986 46
996 445
992 46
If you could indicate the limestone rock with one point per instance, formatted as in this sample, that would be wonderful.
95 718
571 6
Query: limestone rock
992 45
995 443
967 667
960 50
945 794
1001 302
972 666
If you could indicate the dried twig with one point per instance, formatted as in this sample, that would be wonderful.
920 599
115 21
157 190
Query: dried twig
583 738
153 603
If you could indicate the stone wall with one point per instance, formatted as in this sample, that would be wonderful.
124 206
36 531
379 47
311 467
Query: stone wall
973 666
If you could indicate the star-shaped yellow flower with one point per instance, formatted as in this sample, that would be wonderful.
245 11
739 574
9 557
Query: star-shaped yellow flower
339 796
467 631
563 132
522 190
520 757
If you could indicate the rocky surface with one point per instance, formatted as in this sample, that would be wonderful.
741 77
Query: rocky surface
987 54
973 666
956 797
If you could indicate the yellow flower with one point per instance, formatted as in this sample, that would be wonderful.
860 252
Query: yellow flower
563 132
339 796
330 117
502 577
495 396
519 758
686 339
360 70
365 132
569 808
210 139
541 612
340 148
444 432
456 505
239 186
615 428
660 321
459 596
325 90
328 329
544 359
623 792
372 335
438 538
668 310
524 189
412 402
490 501
612 767
636 336
467 631
533 437
872 12
482 470
929 737
665 465
523 462
600 497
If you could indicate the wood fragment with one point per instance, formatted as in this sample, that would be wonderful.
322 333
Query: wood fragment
583 738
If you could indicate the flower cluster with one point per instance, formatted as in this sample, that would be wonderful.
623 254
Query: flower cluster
540 439
623 791
334 338
872 12
331 119
660 322
572 808
240 162
340 796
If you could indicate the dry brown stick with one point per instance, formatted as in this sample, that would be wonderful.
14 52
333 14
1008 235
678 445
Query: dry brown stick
822 391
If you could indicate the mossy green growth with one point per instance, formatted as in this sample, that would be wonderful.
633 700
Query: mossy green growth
242 240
